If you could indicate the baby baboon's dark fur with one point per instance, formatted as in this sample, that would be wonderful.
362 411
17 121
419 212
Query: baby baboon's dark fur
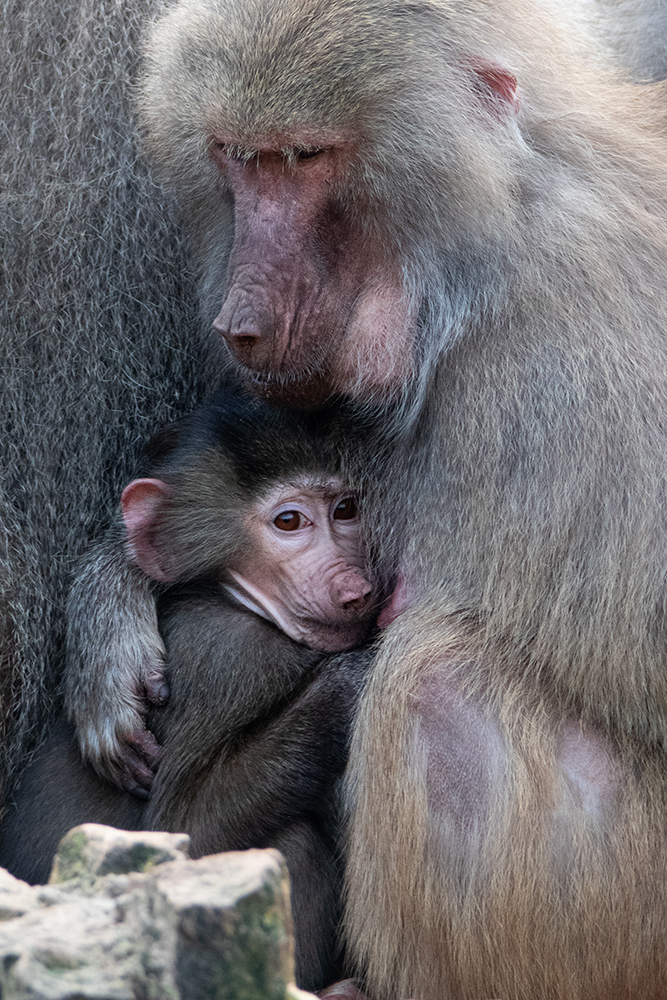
255 741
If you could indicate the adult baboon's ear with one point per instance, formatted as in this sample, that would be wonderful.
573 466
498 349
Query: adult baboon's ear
139 504
497 85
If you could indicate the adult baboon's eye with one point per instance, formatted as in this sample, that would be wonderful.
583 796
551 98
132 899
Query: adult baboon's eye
227 151
308 154
346 509
288 520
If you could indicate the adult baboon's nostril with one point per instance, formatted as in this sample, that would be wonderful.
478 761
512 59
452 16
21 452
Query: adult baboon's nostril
241 340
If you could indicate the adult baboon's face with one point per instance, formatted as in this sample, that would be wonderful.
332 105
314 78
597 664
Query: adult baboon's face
364 191
313 301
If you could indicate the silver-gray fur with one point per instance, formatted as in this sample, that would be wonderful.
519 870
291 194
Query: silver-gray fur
100 326
636 33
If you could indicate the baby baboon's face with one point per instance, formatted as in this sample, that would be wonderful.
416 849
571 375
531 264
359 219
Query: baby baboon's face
305 567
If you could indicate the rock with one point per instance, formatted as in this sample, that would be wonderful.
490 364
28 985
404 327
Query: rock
233 925
91 850
88 949
218 928
16 897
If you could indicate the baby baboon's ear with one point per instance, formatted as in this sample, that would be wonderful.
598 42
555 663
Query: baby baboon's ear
140 502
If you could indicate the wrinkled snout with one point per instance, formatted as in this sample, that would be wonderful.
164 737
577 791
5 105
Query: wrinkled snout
247 324
351 592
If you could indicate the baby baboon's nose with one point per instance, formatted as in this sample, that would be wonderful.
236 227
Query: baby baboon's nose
352 592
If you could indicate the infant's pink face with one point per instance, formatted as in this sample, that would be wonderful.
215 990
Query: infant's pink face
306 568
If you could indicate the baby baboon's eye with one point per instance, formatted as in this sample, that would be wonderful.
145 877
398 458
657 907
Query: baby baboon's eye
288 520
346 509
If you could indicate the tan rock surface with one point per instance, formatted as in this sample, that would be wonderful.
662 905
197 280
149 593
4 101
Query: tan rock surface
218 928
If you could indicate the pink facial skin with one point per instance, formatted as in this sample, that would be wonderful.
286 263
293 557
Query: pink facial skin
308 293
305 568
307 571
315 301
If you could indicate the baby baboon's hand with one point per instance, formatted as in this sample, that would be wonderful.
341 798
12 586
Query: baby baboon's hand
134 769
110 716
115 666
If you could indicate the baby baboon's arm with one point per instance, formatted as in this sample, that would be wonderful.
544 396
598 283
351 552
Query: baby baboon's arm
114 667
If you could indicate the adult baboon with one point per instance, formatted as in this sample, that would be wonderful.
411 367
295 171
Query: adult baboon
449 208
100 333
446 209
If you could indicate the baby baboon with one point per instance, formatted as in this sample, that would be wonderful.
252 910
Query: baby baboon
247 511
